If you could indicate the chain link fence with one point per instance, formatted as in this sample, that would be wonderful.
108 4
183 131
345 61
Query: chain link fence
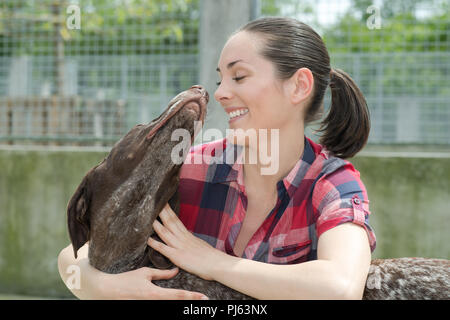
398 54
84 72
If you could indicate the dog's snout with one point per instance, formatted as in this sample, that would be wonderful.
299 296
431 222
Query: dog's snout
202 91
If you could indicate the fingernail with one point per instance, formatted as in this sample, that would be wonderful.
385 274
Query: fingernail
204 298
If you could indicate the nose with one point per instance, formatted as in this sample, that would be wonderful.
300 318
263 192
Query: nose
221 94
202 91
197 86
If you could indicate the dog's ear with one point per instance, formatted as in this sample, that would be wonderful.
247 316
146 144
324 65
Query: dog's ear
78 215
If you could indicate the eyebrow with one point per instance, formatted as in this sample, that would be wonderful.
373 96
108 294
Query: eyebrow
229 65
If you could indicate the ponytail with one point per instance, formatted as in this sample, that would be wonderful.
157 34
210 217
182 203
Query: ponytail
290 45
347 125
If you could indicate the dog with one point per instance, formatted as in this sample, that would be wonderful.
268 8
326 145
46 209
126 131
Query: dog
118 200
408 279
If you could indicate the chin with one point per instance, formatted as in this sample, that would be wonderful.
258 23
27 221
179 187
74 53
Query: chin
241 136
237 140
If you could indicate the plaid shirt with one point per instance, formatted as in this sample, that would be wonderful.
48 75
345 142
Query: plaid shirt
319 193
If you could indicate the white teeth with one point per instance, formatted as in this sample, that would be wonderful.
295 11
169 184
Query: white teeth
236 113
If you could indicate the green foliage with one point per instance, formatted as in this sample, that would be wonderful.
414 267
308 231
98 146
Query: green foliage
140 26
279 8
271 7
405 53
402 30
107 27
171 26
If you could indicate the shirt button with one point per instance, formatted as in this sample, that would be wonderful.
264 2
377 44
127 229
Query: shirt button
356 201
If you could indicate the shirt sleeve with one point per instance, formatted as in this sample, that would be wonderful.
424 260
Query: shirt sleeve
341 197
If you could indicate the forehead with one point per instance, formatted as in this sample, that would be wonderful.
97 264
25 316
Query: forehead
241 46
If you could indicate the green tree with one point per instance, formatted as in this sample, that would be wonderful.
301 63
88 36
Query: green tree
108 27
404 34
401 28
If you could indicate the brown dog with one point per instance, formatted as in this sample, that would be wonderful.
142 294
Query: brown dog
118 200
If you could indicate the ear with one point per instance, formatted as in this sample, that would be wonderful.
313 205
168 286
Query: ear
301 85
78 216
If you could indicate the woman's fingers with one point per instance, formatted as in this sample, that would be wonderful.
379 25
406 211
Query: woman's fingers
169 293
177 294
164 233
181 246
163 249
171 220
157 274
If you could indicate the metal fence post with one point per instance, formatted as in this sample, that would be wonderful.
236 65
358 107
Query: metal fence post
218 20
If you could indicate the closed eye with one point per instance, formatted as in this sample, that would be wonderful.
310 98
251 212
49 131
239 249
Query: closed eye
237 79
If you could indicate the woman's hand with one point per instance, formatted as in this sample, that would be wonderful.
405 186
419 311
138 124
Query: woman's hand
137 285
183 248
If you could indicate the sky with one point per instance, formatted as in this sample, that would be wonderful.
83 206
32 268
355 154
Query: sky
328 11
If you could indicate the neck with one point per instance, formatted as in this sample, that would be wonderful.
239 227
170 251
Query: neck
276 157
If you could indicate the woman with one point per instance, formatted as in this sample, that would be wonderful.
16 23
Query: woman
300 232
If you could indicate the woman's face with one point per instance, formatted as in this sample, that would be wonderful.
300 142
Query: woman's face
248 85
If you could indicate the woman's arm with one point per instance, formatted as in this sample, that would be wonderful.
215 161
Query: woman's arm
86 282
340 271
78 275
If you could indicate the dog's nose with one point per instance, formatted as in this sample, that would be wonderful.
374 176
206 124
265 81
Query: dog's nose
202 91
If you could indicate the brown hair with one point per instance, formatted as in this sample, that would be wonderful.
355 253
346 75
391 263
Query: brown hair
291 45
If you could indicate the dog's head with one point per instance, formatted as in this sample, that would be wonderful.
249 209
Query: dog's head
131 185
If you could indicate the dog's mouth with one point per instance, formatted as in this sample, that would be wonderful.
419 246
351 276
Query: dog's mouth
196 105
195 108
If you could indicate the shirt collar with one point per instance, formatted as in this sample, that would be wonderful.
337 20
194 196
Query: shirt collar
228 164
230 168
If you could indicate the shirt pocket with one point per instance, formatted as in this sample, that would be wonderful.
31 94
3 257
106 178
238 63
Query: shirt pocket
290 253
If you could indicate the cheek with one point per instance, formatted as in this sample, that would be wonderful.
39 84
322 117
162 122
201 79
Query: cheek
270 108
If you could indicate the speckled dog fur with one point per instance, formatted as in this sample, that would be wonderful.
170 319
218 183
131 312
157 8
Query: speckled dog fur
408 279
388 279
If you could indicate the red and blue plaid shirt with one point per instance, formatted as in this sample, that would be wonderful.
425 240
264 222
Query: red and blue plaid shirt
319 193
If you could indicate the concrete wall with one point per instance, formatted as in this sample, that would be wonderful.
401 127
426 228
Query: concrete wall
409 201
35 187
410 204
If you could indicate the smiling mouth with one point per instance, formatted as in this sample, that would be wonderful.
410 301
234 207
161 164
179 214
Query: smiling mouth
237 113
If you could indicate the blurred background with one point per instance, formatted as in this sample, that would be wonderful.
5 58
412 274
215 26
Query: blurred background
75 76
